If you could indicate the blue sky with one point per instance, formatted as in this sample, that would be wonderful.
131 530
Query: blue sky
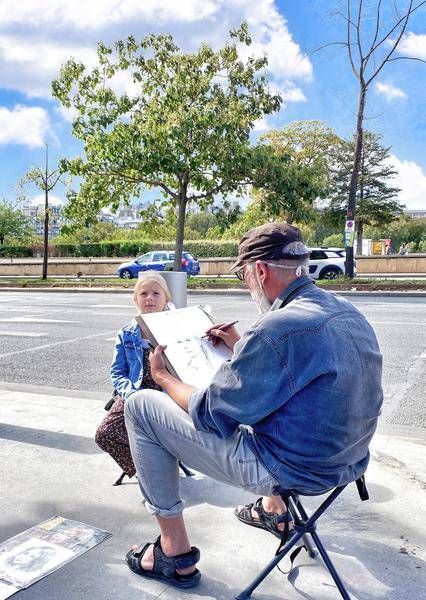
35 41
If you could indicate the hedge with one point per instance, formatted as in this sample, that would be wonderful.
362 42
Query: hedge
200 249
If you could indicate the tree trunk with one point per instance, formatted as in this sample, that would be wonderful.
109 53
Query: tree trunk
349 263
180 229
46 233
46 222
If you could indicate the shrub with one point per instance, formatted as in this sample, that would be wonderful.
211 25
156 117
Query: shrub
128 248
15 251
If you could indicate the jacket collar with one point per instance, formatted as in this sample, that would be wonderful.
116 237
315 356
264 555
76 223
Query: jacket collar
290 291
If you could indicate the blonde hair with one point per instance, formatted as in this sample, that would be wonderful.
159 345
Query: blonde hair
152 276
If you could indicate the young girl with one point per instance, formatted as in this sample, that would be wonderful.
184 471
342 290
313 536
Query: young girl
130 370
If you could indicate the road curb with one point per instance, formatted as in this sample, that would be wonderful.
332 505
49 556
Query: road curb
227 291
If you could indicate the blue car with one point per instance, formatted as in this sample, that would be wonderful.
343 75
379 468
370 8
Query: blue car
161 260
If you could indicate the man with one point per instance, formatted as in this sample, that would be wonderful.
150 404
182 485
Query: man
294 409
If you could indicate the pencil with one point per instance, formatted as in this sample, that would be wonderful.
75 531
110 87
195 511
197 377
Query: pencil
222 328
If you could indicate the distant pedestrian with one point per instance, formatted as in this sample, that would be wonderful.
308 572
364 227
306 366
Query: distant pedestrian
403 249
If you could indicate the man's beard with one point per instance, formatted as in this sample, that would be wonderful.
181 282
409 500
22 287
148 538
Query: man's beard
259 298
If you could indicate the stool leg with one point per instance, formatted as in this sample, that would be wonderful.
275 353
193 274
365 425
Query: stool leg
253 585
330 567
297 509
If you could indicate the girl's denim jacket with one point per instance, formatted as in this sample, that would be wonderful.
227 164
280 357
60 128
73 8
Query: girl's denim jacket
127 364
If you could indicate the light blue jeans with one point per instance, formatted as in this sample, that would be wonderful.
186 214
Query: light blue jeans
161 433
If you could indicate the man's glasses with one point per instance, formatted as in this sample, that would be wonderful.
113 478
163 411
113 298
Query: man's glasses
240 274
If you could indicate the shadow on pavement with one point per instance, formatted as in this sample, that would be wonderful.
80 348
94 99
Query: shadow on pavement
49 439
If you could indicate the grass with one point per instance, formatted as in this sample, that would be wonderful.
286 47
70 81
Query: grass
212 283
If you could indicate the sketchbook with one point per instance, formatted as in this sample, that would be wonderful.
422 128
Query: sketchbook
189 355
42 549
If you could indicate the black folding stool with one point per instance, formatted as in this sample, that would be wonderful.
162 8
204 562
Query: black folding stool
304 527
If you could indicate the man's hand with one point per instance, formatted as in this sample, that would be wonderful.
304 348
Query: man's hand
177 390
229 336
156 360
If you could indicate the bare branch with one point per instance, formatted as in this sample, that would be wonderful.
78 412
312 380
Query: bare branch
403 18
407 58
376 33
395 44
348 41
326 46
358 29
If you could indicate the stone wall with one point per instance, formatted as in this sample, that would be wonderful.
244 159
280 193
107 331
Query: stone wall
387 265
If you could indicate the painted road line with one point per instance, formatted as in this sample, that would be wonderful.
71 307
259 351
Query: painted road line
34 320
22 334
130 305
53 344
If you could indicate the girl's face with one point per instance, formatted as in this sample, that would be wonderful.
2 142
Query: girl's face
150 297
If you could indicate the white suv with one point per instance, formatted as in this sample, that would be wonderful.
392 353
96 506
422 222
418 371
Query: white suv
326 263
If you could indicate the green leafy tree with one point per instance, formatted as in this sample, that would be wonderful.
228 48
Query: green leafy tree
13 225
184 128
404 229
226 214
376 198
312 147
201 222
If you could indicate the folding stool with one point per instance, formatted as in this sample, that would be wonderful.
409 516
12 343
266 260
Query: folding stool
305 526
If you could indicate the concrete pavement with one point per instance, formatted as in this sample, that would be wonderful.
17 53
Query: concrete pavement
51 466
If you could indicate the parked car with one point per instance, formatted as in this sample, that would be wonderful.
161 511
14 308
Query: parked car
161 260
326 263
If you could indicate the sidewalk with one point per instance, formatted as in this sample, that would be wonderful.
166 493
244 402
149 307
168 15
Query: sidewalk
51 466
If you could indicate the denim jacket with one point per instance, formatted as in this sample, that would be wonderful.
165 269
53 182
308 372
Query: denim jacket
303 387
127 364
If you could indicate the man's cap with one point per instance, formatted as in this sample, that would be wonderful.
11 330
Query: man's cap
273 241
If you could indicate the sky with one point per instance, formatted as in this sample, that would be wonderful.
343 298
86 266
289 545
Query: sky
37 38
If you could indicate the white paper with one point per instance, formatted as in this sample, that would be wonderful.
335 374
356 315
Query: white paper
193 357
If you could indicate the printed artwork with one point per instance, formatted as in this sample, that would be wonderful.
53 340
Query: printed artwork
40 550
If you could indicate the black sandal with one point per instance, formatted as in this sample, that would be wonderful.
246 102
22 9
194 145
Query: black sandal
267 521
165 567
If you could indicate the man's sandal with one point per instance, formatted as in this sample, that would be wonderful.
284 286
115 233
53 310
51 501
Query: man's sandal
267 521
165 567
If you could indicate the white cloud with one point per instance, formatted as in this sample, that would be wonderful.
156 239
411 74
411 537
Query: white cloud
40 199
29 65
413 45
412 181
35 42
99 14
389 91
24 125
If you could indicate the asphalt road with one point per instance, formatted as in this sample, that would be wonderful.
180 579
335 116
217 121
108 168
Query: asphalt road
65 340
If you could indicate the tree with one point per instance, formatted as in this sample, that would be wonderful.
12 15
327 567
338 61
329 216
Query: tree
13 224
45 180
226 214
183 128
404 229
376 199
370 47
313 147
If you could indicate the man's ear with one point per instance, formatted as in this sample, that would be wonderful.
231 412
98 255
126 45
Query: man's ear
262 271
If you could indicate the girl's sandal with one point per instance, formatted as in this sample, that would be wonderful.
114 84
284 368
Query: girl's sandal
165 567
